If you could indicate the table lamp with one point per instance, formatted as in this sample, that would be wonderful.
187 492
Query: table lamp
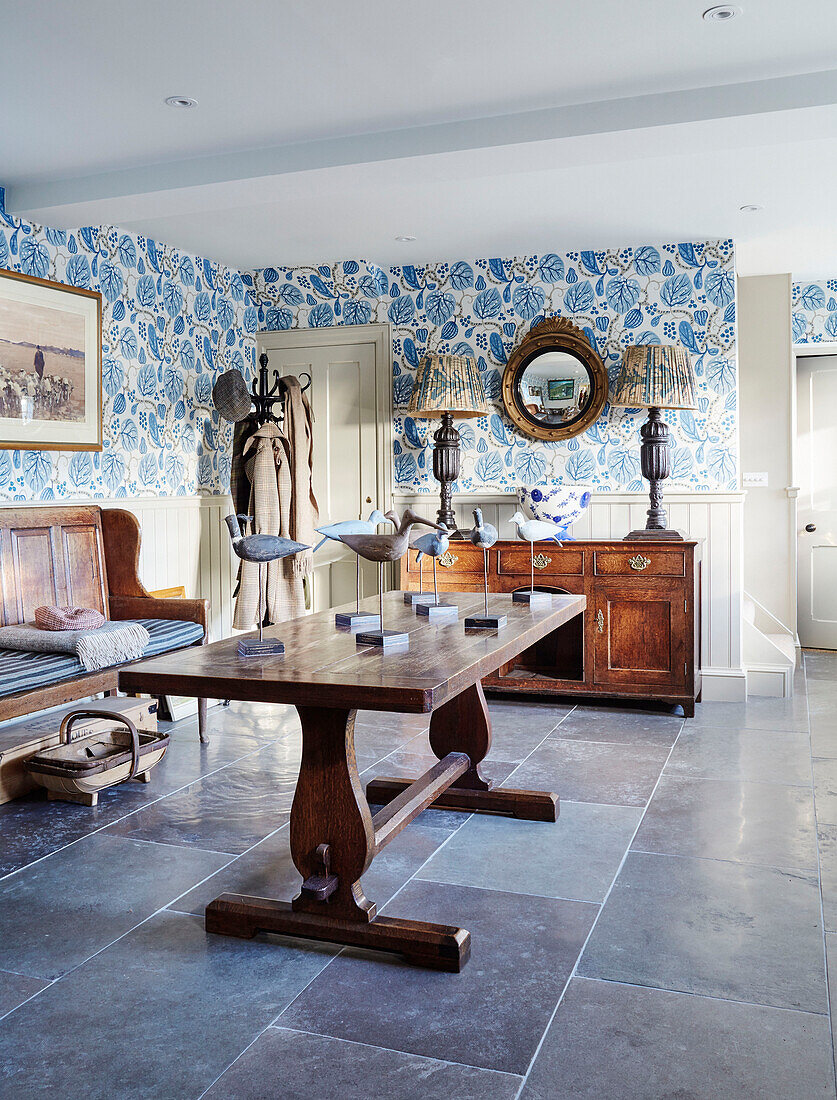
450 386
654 377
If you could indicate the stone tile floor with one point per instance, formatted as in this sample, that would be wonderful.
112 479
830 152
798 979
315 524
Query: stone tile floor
672 935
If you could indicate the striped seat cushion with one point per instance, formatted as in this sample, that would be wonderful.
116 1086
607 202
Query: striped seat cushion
26 671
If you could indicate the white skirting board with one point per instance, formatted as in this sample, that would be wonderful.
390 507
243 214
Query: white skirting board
714 517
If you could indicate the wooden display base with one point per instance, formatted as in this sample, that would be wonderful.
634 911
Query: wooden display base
412 598
437 612
357 620
533 599
436 946
385 639
525 805
267 647
486 622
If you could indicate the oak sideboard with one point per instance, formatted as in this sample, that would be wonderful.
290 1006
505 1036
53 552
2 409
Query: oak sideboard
639 638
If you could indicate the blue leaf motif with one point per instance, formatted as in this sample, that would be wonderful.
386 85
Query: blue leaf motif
203 306
720 374
646 260
800 327
411 433
492 384
590 263
78 271
687 254
449 330
721 465
529 466
203 390
401 310
467 436
320 287
580 466
34 260
633 318
128 435
676 290
687 337
623 465
278 319
622 293
811 297
410 277
831 325
37 469
410 353
720 287
579 297
172 383
119 404
112 375
499 432
489 468
356 312
153 342
402 389
146 291
147 380
551 268
81 469
497 269
487 303
321 316
351 267
528 301
187 355
110 280
497 349
439 306
224 312
4 252
682 462
461 275
172 298
126 251
148 469
405 468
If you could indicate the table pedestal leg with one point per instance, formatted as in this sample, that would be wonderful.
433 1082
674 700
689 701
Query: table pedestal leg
333 842
463 725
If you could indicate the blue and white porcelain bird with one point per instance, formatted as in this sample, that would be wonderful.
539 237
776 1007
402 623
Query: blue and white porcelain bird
336 531
537 530
482 535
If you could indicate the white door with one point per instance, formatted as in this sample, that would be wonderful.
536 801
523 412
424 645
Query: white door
816 387
349 473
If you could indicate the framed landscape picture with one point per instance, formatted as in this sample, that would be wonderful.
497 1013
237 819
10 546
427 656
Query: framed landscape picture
50 365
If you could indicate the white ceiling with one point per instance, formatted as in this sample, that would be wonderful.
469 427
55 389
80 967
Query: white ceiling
326 130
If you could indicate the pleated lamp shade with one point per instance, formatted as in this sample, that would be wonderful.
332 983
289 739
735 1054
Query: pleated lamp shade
451 384
655 376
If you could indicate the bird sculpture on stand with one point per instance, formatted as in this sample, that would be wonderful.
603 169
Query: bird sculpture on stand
433 546
483 535
535 530
357 619
260 549
383 548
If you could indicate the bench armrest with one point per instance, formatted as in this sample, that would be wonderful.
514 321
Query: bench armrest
147 607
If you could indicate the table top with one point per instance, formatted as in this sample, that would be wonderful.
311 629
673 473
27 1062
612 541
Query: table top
324 666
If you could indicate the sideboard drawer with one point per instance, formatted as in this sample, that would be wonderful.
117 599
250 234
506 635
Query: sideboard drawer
650 563
549 559
460 557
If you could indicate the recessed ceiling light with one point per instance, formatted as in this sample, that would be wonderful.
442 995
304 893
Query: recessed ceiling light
405 238
722 13
181 101
751 208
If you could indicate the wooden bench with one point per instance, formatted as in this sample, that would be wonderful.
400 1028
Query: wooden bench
84 556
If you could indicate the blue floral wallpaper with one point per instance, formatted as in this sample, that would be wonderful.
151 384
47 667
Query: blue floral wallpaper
675 293
170 323
815 312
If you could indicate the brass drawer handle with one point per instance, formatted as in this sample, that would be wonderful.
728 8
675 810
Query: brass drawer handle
600 621
541 561
447 559
639 563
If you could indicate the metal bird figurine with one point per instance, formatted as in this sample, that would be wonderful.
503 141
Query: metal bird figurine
259 549
535 530
483 535
384 548
335 531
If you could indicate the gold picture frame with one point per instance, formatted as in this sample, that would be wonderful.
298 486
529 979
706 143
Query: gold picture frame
50 365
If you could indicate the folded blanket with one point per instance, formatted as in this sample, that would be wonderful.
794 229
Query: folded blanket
110 644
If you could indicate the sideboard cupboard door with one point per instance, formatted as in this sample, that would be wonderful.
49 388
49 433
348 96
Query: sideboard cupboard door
639 634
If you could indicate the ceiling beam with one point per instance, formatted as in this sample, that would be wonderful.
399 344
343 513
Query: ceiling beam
599 117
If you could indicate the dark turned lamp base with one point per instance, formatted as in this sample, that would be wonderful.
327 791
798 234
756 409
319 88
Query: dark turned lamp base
446 463
654 460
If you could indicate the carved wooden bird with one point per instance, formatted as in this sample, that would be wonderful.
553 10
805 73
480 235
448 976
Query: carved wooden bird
260 548
536 530
336 531
391 546
482 535
433 545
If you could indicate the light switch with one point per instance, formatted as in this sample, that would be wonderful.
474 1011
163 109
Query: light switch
754 480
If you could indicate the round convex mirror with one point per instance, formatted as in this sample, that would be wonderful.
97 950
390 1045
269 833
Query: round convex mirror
555 384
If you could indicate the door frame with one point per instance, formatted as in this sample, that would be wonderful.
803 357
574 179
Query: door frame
800 351
380 335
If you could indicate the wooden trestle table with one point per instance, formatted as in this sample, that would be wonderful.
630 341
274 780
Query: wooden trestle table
334 837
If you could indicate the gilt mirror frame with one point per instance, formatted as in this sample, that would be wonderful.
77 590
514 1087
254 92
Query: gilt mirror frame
554 334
